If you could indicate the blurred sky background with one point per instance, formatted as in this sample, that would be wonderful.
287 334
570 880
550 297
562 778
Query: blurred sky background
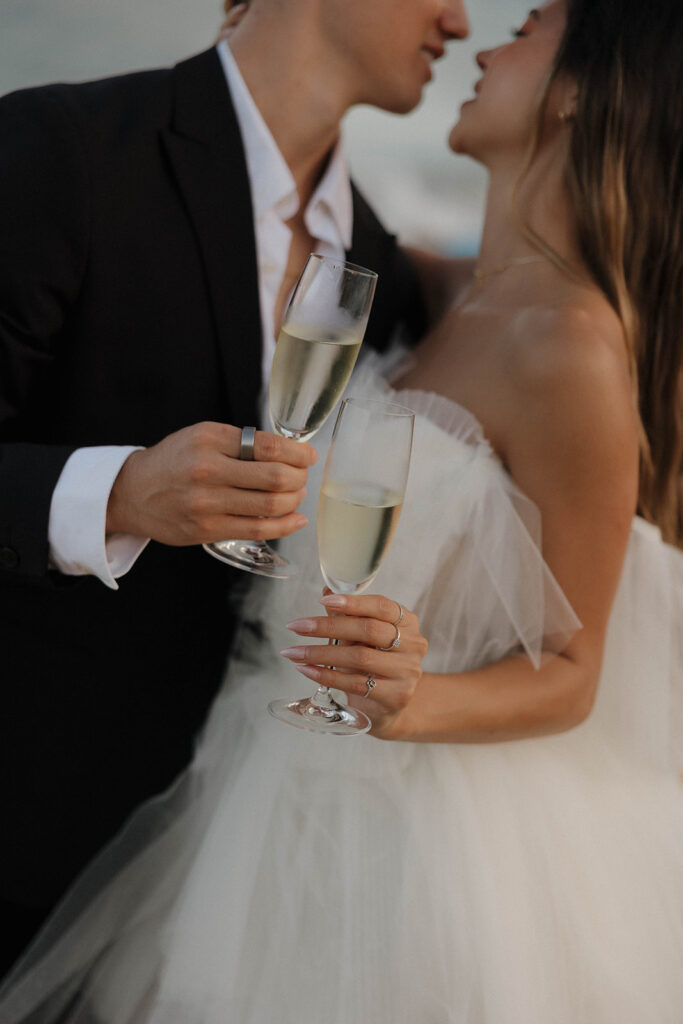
402 164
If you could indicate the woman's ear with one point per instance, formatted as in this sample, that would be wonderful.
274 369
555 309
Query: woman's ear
564 100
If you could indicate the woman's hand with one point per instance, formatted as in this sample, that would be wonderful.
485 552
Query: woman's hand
378 661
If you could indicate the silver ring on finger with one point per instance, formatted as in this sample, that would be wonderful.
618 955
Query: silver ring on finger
401 613
247 444
371 684
395 643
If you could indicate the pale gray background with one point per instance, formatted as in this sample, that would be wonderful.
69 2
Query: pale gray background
401 163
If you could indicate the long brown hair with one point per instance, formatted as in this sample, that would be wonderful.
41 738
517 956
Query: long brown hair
625 179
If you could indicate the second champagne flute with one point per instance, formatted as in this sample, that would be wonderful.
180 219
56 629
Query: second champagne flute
316 351
361 497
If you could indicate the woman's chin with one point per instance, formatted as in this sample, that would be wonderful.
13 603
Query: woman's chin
457 140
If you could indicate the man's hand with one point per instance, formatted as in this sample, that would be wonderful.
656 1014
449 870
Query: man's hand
192 488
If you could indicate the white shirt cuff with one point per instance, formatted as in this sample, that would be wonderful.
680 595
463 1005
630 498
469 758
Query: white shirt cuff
78 515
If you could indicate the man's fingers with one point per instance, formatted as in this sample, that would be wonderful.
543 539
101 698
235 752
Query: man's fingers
238 502
268 447
191 487
250 528
272 448
263 476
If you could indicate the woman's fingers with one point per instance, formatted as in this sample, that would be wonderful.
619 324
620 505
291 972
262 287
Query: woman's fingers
359 662
371 632
375 606
393 693
367 629
353 658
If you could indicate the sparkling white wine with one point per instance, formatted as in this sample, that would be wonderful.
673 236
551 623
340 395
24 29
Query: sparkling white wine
310 371
356 524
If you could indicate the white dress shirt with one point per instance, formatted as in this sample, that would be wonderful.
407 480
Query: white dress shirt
76 532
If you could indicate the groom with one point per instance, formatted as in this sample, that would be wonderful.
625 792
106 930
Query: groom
152 228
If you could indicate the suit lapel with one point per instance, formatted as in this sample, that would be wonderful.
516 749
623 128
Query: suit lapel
205 150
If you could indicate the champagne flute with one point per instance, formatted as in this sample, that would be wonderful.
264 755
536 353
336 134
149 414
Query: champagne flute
361 498
316 351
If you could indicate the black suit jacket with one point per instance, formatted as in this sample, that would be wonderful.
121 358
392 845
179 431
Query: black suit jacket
129 308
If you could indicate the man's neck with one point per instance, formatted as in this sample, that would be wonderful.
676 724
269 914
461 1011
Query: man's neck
303 111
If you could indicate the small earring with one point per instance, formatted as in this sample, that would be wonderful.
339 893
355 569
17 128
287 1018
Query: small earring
565 115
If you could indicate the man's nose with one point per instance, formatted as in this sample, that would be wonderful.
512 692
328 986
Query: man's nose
454 21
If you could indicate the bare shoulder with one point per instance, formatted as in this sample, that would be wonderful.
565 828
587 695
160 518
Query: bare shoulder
574 351
568 370
583 339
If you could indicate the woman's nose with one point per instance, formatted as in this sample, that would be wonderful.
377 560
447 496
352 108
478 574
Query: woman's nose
482 59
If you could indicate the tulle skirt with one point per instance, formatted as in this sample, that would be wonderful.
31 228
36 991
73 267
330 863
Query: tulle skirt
293 878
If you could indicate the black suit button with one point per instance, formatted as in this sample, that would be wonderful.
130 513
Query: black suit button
9 558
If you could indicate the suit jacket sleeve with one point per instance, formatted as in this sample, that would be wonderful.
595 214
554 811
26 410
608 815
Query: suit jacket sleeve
43 248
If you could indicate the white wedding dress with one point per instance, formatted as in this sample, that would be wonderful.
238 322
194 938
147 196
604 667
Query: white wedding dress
292 878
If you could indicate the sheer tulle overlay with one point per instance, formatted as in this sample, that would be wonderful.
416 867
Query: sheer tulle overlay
303 879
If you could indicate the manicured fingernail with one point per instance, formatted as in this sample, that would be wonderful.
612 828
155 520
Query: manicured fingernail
294 653
301 625
310 671
334 601
300 520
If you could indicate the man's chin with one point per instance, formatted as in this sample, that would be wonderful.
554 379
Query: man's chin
403 104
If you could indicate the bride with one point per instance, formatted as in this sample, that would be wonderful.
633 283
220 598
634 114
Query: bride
506 846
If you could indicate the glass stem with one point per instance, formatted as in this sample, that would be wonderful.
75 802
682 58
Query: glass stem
322 697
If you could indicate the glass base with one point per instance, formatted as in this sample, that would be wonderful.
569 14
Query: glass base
332 718
253 556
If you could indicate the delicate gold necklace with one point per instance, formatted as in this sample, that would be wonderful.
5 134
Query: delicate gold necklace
482 275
